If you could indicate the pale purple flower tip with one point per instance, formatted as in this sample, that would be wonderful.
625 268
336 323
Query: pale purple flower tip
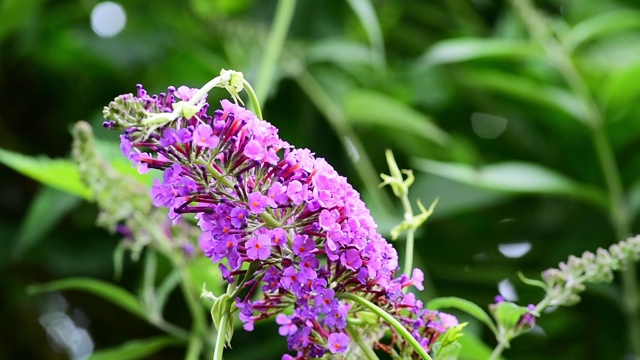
338 343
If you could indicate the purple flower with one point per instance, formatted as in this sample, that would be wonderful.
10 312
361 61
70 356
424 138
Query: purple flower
254 150
302 245
338 343
238 217
203 136
278 237
277 194
257 202
259 247
447 320
351 259
287 327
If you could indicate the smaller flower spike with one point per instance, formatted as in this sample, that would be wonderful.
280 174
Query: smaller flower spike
291 232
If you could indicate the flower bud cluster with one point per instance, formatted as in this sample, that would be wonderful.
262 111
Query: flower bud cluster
285 228
565 283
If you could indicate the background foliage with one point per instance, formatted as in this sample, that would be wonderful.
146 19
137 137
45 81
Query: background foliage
460 90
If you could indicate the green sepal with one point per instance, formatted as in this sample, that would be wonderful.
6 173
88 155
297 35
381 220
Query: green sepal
507 314
221 307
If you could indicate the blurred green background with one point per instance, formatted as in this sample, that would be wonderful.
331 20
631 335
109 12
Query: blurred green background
481 104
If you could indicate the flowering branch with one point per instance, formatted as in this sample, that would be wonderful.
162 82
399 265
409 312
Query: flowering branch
305 234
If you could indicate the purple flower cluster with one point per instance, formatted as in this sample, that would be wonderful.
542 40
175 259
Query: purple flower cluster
283 225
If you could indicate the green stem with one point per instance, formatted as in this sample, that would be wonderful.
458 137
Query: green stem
408 216
366 348
195 309
221 336
273 48
404 333
495 355
618 210
253 98
194 348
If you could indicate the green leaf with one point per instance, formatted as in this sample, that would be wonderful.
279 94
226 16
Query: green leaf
600 25
474 349
374 108
521 87
105 290
57 173
467 49
466 306
136 349
45 210
514 177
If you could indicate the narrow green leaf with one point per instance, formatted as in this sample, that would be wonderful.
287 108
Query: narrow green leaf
105 290
367 15
515 177
521 87
57 173
467 49
600 25
136 349
46 209
466 306
373 108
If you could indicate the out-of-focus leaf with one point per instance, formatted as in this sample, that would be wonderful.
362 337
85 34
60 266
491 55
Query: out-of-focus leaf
15 12
339 51
373 108
460 197
111 152
633 198
114 294
467 49
464 305
600 25
202 271
57 173
44 212
474 349
621 88
136 349
367 16
527 90
515 177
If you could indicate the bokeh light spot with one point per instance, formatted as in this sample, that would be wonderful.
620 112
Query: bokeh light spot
108 19
488 126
